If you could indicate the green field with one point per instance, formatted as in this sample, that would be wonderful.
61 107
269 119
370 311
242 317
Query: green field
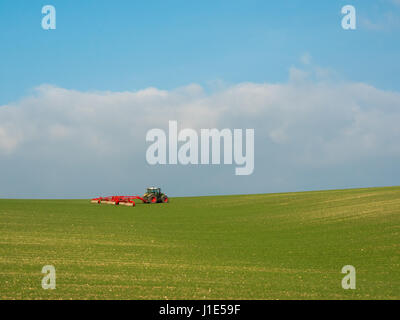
267 246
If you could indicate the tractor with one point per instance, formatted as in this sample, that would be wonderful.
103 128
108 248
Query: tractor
154 195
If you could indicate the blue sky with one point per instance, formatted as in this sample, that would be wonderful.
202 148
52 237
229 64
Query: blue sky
130 45
78 100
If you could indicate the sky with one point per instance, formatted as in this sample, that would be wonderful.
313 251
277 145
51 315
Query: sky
76 102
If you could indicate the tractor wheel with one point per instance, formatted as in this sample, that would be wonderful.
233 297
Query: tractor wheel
164 199
152 199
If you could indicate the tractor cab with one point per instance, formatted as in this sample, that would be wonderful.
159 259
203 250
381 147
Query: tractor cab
155 191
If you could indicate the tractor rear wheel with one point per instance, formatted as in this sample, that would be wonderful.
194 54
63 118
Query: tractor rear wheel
164 199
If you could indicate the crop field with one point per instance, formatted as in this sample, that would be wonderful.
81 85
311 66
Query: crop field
266 246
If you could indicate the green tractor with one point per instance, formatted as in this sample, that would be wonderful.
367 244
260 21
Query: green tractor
154 195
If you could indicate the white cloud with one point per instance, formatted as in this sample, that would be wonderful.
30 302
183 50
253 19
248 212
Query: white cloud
306 58
305 123
9 139
388 21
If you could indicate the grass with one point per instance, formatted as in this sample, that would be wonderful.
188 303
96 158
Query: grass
269 246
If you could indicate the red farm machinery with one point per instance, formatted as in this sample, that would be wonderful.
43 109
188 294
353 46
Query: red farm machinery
152 195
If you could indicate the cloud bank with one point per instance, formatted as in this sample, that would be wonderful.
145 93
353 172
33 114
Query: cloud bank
310 133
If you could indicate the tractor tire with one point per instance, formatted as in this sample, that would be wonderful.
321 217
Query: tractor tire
152 199
164 199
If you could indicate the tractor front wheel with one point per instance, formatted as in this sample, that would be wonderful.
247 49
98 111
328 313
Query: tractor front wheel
164 199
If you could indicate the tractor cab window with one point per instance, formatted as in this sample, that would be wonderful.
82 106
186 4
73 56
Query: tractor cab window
153 190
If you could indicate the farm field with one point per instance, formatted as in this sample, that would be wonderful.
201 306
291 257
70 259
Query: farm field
266 246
